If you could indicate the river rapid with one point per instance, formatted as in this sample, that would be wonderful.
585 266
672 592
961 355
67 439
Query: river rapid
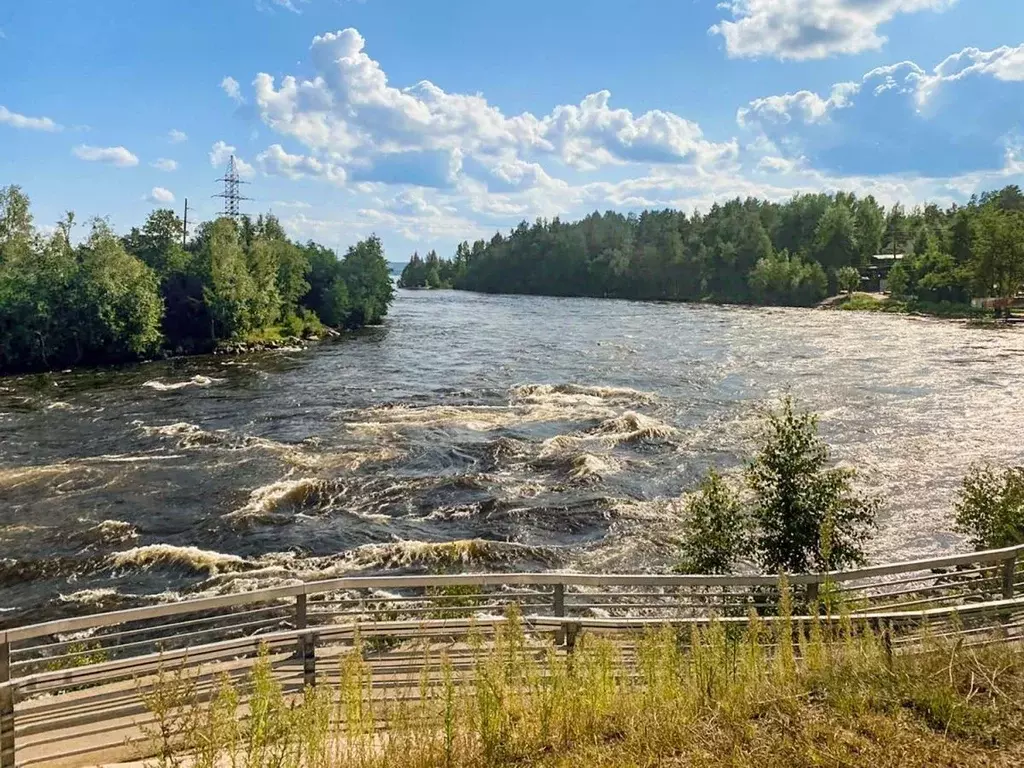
473 432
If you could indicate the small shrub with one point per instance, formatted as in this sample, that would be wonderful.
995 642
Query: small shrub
990 507
717 528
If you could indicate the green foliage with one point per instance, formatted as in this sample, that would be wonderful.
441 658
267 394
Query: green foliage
797 494
848 279
769 695
990 507
744 251
999 252
835 240
62 305
898 280
717 532
110 299
228 288
784 280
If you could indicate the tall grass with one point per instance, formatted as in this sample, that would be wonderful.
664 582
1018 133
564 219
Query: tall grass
772 694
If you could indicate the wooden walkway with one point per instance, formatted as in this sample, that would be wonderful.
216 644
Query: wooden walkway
71 691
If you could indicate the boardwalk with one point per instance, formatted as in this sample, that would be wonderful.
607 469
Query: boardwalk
71 690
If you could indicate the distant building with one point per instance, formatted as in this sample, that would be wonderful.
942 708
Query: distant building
875 277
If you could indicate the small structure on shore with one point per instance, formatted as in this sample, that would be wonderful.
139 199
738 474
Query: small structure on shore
875 277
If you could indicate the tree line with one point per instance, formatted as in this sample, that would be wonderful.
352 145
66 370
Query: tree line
109 298
751 251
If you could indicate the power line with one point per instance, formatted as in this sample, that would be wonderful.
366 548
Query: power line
231 194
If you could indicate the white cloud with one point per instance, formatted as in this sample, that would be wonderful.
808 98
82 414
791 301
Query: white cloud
164 164
350 116
291 204
811 29
1005 64
176 137
804 105
275 161
159 195
15 120
288 5
230 86
118 156
221 152
959 116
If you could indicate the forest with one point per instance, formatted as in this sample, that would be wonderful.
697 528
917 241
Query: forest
105 298
751 252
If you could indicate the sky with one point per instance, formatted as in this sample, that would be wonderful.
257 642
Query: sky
430 122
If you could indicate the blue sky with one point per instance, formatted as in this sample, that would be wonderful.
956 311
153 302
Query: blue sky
432 122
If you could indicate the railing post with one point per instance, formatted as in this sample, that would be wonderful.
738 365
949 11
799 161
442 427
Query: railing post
307 644
6 705
811 596
558 610
300 611
572 630
1009 572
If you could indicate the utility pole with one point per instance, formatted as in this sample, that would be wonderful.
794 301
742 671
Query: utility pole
184 226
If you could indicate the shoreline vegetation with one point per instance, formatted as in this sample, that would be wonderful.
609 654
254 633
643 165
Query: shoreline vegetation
757 252
235 285
773 695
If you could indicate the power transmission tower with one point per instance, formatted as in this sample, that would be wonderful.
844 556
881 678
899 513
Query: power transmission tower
231 194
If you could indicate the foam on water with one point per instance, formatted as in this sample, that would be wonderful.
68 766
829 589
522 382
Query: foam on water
195 381
189 558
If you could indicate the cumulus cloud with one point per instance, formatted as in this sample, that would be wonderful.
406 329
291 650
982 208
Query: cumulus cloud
118 156
16 120
811 29
159 195
164 164
957 117
275 161
221 152
349 115
176 137
231 87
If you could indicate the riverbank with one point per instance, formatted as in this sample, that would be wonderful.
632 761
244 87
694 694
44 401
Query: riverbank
868 302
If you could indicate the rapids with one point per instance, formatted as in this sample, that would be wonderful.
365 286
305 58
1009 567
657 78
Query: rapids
472 432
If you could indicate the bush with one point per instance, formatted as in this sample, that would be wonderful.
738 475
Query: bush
797 495
717 531
990 507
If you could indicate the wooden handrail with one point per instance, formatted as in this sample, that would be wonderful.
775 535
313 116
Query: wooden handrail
548 578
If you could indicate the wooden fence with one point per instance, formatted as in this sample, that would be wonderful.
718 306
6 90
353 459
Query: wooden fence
70 689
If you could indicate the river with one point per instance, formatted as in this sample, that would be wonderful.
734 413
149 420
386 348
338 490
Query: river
475 432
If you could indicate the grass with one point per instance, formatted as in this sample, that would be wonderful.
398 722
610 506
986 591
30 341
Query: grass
865 302
767 697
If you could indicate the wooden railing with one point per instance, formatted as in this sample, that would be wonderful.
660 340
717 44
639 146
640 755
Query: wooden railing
67 659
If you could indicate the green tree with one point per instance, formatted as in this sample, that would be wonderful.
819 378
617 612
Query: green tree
898 281
227 286
835 240
848 279
797 494
717 533
120 298
870 227
368 280
999 253
264 300
990 507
